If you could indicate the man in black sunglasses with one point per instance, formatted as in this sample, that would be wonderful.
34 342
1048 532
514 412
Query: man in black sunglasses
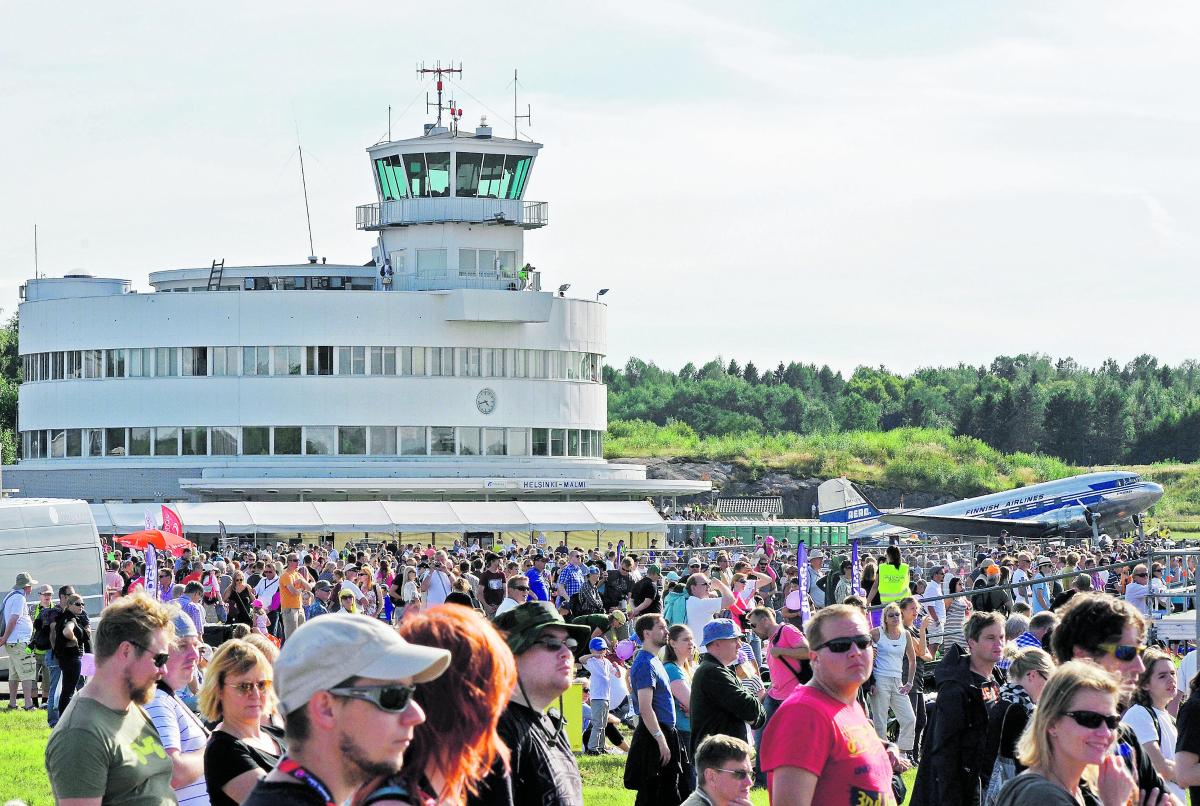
345 685
840 759
543 768
103 748
1111 633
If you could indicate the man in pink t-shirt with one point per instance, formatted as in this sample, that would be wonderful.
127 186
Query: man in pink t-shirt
841 759
786 652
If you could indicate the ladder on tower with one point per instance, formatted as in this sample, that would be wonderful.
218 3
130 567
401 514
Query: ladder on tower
215 274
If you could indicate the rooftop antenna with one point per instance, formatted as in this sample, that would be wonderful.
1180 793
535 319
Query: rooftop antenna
304 184
528 111
389 123
35 252
440 71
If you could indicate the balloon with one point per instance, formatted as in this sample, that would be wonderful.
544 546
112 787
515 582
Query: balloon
793 601
624 649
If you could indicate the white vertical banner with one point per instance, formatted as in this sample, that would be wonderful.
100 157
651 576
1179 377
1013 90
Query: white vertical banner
150 582
151 518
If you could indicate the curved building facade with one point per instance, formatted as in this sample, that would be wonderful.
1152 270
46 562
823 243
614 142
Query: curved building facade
440 369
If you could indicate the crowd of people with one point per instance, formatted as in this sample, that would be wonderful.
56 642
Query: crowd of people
410 674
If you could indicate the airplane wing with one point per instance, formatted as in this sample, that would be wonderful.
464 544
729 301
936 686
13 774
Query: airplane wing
977 527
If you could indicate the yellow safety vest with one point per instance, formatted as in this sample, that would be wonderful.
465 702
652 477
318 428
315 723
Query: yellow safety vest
893 582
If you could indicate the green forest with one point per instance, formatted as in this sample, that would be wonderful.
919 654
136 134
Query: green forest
1139 413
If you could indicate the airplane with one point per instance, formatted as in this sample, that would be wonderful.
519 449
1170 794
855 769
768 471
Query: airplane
1110 501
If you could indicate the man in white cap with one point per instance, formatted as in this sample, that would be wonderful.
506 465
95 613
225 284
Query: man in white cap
349 721
16 631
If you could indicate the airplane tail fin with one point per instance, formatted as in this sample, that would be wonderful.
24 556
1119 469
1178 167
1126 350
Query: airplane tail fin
841 501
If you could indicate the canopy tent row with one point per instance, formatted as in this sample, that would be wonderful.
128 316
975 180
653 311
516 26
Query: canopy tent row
395 517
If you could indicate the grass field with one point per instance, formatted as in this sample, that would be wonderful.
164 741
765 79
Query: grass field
23 776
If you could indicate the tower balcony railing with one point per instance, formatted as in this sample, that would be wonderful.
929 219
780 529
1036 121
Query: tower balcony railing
498 281
406 212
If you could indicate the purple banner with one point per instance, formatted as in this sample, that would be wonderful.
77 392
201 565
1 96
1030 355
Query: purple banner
802 564
855 569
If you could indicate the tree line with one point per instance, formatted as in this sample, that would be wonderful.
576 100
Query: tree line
1141 412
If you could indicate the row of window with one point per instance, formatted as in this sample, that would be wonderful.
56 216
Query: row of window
486 263
422 175
171 362
311 440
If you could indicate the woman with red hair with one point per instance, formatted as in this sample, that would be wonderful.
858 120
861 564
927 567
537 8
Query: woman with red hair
457 744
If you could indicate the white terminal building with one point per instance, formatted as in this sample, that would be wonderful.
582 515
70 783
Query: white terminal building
442 370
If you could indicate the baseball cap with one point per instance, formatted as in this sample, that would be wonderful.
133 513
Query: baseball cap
654 569
184 626
720 628
363 647
322 585
618 616
672 576
524 624
816 555
593 570
44 589
597 644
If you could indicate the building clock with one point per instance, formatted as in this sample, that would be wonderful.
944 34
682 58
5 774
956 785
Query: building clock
485 401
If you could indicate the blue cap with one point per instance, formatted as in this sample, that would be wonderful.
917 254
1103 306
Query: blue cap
720 628
597 644
184 626
672 576
593 570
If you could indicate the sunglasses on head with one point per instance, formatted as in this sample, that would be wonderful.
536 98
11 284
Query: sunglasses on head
160 660
393 698
1092 720
1122 652
842 645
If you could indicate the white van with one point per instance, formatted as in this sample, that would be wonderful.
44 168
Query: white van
56 541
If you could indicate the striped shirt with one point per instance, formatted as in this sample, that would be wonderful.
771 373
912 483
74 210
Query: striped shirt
179 729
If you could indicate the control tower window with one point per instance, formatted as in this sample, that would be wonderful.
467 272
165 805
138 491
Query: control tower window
467 171
392 182
489 179
428 174
512 180
319 440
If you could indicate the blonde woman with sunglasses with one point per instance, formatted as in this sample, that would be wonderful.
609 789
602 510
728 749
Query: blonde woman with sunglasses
1069 747
236 694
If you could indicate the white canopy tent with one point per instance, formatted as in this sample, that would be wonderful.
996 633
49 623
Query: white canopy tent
390 517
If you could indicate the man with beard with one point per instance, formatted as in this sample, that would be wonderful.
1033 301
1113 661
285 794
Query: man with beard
182 734
542 769
350 721
104 749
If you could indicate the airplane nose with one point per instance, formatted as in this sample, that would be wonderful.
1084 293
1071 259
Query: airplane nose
1153 492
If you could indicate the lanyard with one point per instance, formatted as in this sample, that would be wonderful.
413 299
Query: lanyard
289 767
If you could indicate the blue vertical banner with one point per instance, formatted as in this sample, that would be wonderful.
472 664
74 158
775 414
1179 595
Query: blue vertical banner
802 564
855 568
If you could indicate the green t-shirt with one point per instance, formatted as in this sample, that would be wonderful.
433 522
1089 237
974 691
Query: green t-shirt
597 621
97 752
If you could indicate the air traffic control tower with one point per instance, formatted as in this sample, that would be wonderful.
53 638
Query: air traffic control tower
440 370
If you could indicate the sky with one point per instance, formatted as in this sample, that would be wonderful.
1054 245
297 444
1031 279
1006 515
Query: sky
903 184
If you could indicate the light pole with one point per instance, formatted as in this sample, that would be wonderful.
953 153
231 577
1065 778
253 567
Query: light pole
601 293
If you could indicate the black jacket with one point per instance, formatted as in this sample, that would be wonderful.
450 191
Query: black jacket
951 769
720 704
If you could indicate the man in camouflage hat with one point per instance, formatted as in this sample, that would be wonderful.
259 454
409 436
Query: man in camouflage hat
543 769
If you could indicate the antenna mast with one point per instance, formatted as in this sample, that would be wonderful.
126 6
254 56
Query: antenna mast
35 252
528 111
439 71
304 184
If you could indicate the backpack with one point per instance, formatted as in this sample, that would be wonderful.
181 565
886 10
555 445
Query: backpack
675 607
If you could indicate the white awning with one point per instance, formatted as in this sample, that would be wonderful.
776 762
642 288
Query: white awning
393 517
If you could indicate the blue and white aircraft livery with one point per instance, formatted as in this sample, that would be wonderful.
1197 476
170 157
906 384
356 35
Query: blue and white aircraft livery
1112 501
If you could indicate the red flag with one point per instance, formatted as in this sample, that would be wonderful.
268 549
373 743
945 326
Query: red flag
171 522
